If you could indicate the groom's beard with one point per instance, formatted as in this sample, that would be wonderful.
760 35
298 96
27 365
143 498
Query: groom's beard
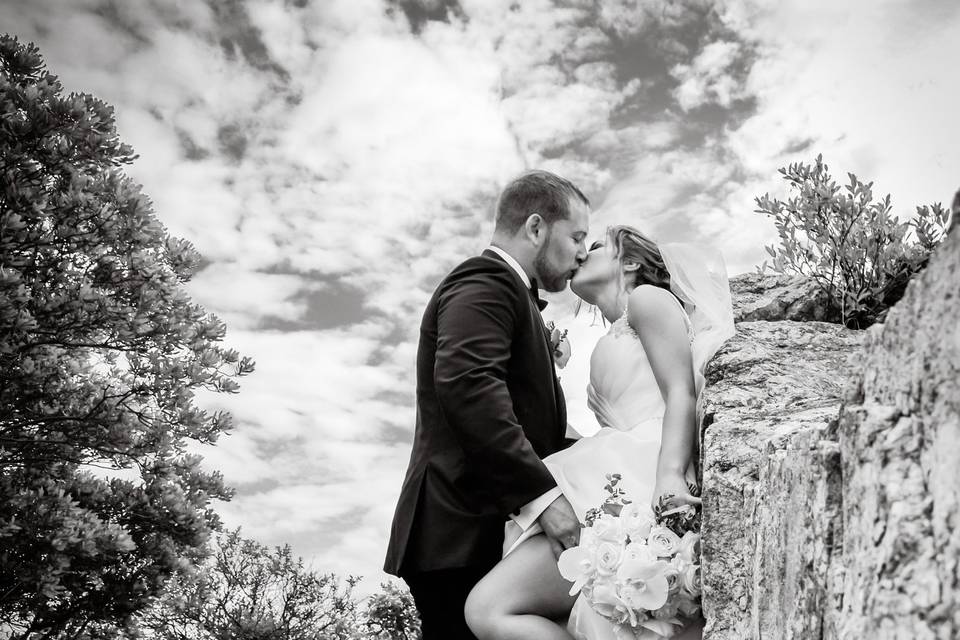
549 278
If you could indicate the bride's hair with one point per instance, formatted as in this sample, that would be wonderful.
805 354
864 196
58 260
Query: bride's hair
631 245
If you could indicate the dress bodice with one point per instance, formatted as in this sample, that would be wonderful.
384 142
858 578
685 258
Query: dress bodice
623 392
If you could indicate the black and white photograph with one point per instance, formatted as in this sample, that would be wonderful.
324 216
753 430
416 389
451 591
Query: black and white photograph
479 320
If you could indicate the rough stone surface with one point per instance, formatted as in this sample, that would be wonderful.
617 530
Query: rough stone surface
899 436
837 520
772 391
778 297
796 527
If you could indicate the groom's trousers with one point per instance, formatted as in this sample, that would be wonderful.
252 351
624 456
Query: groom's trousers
440 596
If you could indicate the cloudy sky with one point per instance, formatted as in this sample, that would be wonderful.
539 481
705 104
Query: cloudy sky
333 159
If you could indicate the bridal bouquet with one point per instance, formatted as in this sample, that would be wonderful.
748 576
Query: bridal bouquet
639 571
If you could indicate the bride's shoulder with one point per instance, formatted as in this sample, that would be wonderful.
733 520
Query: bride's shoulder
651 304
648 294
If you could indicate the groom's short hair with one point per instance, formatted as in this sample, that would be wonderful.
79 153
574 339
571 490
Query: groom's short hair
539 192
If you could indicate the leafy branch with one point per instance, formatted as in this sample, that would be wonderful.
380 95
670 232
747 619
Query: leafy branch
849 244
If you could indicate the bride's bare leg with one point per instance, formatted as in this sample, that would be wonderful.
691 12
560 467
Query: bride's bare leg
521 597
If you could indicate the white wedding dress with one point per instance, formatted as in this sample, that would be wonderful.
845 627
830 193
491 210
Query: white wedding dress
626 399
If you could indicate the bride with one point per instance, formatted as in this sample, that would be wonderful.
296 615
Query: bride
669 310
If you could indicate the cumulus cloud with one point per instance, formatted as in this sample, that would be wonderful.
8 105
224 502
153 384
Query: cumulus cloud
708 78
631 18
870 93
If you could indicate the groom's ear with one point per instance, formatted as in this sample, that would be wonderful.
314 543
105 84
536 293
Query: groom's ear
535 227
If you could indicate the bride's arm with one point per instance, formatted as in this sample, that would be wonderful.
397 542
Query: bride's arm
659 323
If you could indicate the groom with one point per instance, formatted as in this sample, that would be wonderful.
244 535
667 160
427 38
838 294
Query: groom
489 405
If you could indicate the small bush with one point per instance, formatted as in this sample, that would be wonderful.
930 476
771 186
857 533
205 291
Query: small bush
392 615
851 245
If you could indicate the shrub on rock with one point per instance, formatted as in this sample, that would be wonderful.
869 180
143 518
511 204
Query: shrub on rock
860 255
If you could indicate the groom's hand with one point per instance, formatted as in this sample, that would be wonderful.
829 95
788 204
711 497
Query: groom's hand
560 524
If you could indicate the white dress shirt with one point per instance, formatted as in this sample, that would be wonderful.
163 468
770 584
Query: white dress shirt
531 511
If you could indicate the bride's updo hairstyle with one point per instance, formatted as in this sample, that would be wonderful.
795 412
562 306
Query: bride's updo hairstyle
631 246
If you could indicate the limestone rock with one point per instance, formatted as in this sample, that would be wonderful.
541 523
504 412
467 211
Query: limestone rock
778 297
772 391
830 520
796 524
899 437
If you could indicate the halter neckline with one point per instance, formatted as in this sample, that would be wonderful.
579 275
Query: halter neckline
686 316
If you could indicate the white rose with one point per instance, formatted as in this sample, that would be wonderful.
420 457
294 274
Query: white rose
663 542
674 578
607 557
639 551
636 520
691 579
607 528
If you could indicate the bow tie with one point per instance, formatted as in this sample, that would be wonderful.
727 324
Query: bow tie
535 292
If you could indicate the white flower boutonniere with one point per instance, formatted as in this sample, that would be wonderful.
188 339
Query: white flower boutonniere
561 346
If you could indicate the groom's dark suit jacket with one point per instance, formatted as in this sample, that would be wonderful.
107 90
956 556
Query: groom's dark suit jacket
489 407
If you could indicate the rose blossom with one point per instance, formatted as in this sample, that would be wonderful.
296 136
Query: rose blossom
663 542
607 528
691 579
639 551
674 578
637 520
607 558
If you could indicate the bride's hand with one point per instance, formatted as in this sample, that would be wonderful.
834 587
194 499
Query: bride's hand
672 492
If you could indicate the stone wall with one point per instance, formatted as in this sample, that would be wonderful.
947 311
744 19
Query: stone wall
899 437
772 392
831 467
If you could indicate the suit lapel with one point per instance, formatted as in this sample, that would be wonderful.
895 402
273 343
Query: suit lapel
534 310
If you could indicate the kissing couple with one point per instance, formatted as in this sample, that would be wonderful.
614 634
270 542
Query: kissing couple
495 491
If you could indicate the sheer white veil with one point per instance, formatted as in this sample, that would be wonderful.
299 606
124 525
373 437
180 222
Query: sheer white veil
698 276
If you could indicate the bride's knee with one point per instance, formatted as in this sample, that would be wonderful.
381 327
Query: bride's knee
483 611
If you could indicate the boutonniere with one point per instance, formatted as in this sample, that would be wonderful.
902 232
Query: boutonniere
561 346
